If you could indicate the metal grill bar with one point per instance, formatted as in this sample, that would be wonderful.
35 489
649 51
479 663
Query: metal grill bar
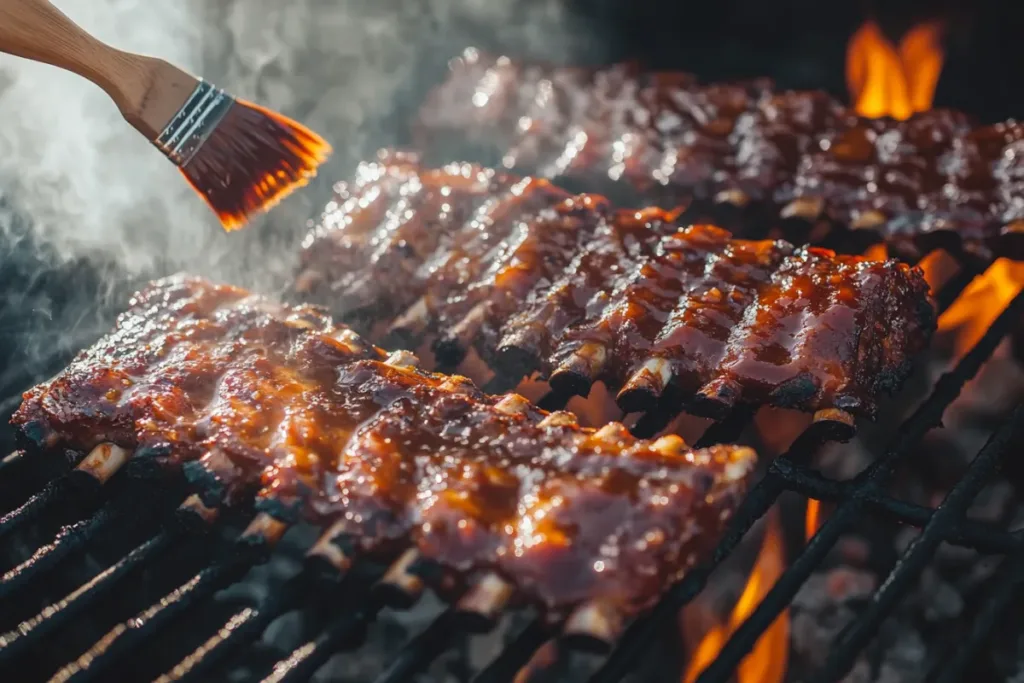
927 416
979 536
921 550
123 512
45 558
124 637
945 297
1005 584
304 661
422 650
863 493
763 495
13 643
516 654
30 510
244 627
729 429
11 462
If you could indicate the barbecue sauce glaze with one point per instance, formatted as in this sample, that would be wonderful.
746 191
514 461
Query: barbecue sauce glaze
535 279
280 401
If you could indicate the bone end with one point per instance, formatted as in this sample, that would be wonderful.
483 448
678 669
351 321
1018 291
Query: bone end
559 418
104 461
613 433
412 324
734 197
328 552
595 626
834 424
265 529
403 359
512 404
671 445
806 208
715 399
481 607
452 347
400 588
646 386
575 376
869 220
195 508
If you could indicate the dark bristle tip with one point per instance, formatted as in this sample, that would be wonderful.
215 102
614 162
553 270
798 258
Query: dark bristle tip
253 160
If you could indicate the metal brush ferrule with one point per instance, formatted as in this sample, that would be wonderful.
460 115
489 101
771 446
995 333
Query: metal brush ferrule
195 121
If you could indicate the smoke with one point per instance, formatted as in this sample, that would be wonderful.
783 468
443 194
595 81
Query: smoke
85 179
90 210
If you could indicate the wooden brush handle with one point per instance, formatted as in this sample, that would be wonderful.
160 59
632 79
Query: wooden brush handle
36 30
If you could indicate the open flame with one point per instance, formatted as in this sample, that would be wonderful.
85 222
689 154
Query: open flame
980 304
898 81
767 662
886 80
813 518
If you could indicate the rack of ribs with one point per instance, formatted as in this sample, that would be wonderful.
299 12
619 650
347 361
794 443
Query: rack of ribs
789 157
534 279
255 399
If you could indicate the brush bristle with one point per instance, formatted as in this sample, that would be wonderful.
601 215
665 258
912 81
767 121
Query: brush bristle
253 160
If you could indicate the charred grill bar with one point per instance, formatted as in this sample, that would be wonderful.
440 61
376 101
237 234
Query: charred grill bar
399 587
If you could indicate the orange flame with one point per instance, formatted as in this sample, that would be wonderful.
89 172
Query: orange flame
938 267
813 518
884 80
767 662
980 304
877 252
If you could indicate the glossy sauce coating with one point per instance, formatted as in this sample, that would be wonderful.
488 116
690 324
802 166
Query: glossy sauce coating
254 159
398 234
725 321
280 402
583 292
667 139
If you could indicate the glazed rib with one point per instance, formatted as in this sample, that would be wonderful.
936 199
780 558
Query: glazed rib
934 180
401 237
582 292
253 397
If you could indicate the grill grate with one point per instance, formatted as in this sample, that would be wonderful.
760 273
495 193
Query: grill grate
538 645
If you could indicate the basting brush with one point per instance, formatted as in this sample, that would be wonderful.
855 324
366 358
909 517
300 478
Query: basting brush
240 157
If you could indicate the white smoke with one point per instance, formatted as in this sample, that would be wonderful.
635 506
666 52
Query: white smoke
86 180
90 183
94 192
